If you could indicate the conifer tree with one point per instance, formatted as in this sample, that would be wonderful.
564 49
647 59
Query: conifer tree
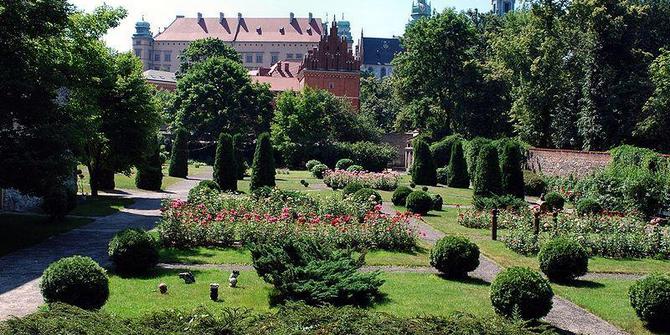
150 172
225 167
263 166
512 174
487 173
458 169
239 157
179 157
423 169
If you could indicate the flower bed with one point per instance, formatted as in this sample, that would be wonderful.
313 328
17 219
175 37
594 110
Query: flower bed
218 220
338 179
482 219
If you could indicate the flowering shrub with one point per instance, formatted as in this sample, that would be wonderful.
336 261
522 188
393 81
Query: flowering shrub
338 179
482 219
186 225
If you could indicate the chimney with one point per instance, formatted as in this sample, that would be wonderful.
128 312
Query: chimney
311 17
292 17
221 17
286 66
199 16
180 16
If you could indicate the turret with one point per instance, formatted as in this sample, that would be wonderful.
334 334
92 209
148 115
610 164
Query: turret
143 42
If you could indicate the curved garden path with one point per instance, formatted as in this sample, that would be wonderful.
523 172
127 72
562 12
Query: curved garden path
20 271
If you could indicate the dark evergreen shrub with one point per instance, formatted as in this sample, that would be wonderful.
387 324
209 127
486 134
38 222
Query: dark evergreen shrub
442 175
472 153
225 167
650 298
351 188
563 260
423 169
179 157
458 168
554 201
534 184
500 202
419 202
262 192
263 167
487 175
150 173
355 168
367 195
511 172
454 256
437 202
106 179
319 170
588 206
311 164
372 156
441 151
523 291
133 252
344 164
77 281
399 197
240 163
56 203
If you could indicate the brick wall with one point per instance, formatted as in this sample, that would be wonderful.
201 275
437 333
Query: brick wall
554 162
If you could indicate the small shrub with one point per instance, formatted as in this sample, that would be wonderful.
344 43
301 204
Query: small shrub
554 201
150 172
650 297
367 195
205 187
263 167
355 168
179 157
412 185
588 206
458 168
508 202
437 202
534 184
319 170
562 260
443 175
425 189
77 281
523 291
419 202
55 203
311 164
399 197
344 164
423 169
351 188
454 256
133 252
487 180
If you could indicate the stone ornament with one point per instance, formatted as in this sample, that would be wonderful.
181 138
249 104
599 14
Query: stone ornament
232 280
187 277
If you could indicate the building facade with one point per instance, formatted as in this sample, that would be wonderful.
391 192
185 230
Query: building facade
376 55
502 7
261 42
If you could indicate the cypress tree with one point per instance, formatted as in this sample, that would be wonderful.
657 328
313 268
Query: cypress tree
150 172
239 157
225 167
263 166
179 157
458 169
423 169
512 174
487 173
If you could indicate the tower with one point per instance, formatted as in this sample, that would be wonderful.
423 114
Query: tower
143 43
502 7
420 9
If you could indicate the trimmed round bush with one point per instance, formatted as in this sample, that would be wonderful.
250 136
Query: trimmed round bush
367 195
355 168
205 186
77 281
133 251
351 188
419 202
563 259
650 297
437 202
554 201
533 183
588 206
319 170
344 164
399 197
521 290
454 256
311 164
443 175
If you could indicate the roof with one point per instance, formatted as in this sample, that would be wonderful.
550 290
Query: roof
300 30
280 70
380 51
162 76
278 84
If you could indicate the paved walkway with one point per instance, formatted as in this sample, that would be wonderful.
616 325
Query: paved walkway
20 271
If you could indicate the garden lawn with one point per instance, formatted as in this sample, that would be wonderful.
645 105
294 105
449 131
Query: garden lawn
31 229
290 181
127 182
451 196
406 294
100 205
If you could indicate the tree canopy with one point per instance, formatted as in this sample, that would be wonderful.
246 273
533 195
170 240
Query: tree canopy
203 49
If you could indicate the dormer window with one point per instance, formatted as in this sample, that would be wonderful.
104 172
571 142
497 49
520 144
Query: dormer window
282 30
259 30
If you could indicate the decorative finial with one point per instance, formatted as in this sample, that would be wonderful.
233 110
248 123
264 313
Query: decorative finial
142 17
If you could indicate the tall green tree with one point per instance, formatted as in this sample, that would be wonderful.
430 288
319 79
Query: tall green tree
487 180
423 168
150 171
179 156
379 102
240 164
458 169
263 167
652 129
511 170
203 49
225 166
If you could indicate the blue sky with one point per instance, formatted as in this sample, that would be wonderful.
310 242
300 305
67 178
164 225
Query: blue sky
378 18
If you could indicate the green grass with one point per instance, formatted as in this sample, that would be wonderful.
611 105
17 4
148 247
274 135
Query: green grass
127 182
101 205
21 231
405 294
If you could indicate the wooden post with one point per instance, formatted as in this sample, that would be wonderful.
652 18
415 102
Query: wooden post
536 223
494 224
555 214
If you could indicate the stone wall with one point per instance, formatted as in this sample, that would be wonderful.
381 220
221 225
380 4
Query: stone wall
554 162
400 142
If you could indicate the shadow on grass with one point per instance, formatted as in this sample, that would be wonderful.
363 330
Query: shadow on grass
156 273
465 280
173 255
579 283
102 205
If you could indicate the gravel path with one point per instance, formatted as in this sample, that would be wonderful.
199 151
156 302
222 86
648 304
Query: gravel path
20 271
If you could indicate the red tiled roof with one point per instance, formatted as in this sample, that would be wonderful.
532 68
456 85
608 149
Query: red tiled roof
278 84
301 30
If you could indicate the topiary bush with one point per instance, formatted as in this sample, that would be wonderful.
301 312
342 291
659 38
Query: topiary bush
367 195
203 187
179 157
554 201
319 170
454 256
77 281
523 291
423 169
441 151
263 167
399 197
55 203
344 164
225 168
487 174
563 260
437 202
311 164
150 172
650 297
133 252
588 206
238 150
351 188
419 202
533 183
443 175
511 171
458 168
355 168
471 152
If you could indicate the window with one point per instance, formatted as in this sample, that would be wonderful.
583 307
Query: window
249 58
138 53
275 57
259 58
157 57
507 7
298 56
167 57
331 85
289 56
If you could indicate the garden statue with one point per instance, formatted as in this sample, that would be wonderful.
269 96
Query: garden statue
233 278
162 287
187 277
214 291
